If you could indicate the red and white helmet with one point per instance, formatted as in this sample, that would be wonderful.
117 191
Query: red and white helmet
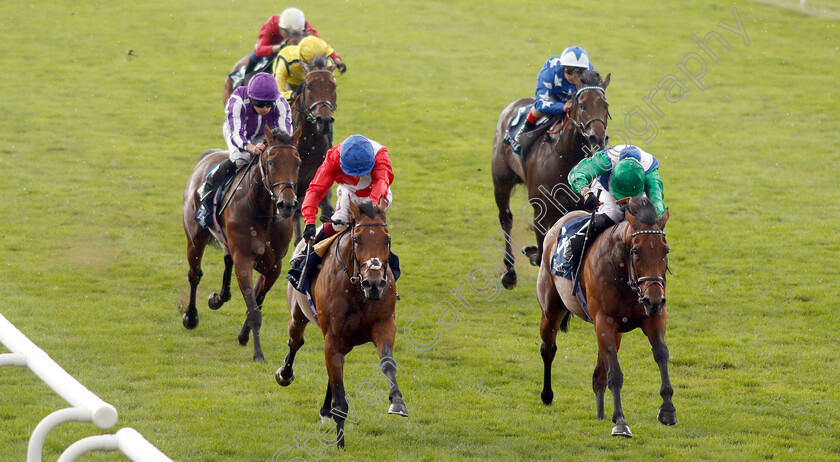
293 20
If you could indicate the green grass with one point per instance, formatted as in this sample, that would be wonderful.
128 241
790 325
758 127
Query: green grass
97 145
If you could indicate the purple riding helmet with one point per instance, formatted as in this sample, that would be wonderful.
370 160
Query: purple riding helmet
263 87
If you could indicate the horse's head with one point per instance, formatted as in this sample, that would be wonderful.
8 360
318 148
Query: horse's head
318 100
647 253
591 110
279 164
371 249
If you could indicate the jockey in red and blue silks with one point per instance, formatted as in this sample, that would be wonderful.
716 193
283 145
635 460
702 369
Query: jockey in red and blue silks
249 110
557 83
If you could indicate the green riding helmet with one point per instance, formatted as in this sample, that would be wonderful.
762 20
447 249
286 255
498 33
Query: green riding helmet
627 179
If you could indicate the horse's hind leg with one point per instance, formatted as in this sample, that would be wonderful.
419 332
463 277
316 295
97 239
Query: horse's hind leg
218 299
195 250
549 325
654 328
326 409
297 325
243 268
503 188
383 338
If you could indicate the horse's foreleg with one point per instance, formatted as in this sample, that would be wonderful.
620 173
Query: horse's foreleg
335 370
609 341
502 192
220 298
599 385
654 328
326 409
383 338
195 250
243 267
297 325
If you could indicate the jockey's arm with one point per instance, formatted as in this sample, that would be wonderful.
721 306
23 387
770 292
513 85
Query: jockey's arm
323 181
653 190
587 170
381 176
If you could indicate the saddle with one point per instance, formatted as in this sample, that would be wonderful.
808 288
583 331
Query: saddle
206 218
526 140
242 75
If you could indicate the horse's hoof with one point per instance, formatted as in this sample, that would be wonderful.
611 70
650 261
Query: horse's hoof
667 417
243 337
509 279
622 430
325 417
283 381
258 357
533 254
398 409
215 301
547 397
190 322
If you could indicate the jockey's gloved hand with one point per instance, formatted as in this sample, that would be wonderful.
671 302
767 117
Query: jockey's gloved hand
309 232
590 201
369 208
342 68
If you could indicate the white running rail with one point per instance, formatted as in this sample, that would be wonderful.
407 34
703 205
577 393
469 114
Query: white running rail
86 407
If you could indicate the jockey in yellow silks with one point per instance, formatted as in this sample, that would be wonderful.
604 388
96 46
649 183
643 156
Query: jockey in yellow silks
287 70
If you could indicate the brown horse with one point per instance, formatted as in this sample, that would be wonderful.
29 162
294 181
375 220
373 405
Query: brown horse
623 279
312 117
256 225
228 88
355 296
547 165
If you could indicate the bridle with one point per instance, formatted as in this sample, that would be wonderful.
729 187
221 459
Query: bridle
632 278
309 111
264 177
366 266
581 127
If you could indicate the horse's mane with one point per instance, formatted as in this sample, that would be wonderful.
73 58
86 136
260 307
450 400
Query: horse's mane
282 136
642 208
319 62
591 78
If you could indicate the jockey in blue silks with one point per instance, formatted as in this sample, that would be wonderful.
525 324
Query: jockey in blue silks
557 83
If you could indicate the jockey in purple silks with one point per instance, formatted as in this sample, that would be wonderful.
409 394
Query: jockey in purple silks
249 110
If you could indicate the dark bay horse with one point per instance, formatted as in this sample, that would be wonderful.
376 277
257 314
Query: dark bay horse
355 296
257 228
623 279
293 39
312 117
547 165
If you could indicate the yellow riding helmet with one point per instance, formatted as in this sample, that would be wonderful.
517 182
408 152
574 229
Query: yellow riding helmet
311 46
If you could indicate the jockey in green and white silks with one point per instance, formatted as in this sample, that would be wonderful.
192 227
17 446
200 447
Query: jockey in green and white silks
618 172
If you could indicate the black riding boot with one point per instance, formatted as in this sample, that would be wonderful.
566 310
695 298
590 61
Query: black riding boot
526 127
205 192
574 251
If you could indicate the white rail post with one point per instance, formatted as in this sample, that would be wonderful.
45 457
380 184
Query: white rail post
127 440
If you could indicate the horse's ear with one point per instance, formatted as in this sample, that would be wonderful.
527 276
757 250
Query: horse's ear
268 134
355 210
606 81
663 219
629 217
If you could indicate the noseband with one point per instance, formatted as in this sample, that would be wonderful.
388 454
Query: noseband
264 177
633 280
581 127
309 111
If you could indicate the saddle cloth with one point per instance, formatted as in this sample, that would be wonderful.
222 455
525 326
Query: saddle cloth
203 216
528 138
559 265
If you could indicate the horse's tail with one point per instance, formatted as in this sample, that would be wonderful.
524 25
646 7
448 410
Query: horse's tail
564 323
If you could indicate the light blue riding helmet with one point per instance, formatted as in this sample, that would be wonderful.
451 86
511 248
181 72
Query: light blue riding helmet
574 57
356 155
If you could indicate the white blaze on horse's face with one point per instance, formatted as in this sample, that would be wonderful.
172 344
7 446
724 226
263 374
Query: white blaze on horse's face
372 249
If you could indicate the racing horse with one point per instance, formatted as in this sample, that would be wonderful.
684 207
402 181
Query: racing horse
547 164
355 297
312 116
623 280
292 39
256 228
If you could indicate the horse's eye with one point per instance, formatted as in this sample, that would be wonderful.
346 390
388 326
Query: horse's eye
270 163
356 240
635 252
582 107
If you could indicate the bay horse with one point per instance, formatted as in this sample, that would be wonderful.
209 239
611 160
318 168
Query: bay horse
623 279
292 39
312 119
355 296
547 164
256 228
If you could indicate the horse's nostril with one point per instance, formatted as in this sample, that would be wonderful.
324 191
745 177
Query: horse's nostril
366 284
382 284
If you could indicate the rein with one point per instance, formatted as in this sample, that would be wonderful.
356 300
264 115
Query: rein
373 263
580 126
263 176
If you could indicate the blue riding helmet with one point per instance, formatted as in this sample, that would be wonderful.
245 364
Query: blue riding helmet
356 155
